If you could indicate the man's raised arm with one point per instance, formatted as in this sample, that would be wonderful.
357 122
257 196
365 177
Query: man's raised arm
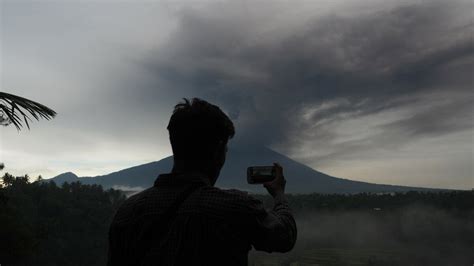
275 230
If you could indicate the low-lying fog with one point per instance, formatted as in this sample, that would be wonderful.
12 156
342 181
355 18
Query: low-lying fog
413 235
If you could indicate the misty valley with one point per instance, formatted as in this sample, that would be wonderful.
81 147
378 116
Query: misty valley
42 223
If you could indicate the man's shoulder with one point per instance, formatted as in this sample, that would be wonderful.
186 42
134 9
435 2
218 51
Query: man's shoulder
225 193
139 197
132 206
229 199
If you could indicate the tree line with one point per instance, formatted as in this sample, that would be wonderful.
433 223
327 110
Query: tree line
450 200
42 223
45 224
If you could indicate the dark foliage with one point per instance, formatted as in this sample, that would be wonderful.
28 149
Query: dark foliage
43 224
446 200
15 109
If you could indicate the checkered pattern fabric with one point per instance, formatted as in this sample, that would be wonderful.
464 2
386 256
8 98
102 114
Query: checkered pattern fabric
211 226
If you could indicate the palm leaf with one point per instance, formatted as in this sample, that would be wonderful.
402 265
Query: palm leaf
17 110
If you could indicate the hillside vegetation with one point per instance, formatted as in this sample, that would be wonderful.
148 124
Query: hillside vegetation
45 224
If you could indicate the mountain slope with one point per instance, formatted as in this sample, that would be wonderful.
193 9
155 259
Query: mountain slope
300 178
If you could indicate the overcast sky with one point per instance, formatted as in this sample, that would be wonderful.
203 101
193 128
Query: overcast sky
378 91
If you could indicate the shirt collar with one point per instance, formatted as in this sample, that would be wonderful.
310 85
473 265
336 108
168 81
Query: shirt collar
181 179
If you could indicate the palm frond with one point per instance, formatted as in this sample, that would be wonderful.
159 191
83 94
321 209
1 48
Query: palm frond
17 110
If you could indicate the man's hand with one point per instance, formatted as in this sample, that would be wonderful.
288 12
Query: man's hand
277 185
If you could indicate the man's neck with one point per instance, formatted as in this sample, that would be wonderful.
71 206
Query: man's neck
183 167
180 167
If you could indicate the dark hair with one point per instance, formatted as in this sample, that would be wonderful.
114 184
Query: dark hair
196 128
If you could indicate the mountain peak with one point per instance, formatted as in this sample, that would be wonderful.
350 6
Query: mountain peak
65 177
301 178
68 174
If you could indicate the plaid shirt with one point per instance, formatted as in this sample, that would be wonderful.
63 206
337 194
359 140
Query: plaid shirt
211 226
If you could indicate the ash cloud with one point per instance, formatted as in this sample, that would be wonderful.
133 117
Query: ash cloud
289 84
327 83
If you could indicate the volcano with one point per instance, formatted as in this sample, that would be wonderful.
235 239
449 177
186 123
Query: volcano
301 179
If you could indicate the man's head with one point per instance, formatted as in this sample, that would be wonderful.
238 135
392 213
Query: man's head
199 132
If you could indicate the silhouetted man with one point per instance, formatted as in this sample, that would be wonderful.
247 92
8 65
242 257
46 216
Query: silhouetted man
183 219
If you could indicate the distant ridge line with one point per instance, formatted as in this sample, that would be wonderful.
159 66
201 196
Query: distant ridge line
301 178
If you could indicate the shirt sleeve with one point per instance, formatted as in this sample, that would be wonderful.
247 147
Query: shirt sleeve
275 230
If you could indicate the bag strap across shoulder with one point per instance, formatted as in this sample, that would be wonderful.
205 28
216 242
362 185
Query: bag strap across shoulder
160 226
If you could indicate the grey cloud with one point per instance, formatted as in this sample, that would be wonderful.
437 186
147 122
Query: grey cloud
315 85
265 78
437 120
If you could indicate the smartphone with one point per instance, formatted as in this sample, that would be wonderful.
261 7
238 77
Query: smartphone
260 174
